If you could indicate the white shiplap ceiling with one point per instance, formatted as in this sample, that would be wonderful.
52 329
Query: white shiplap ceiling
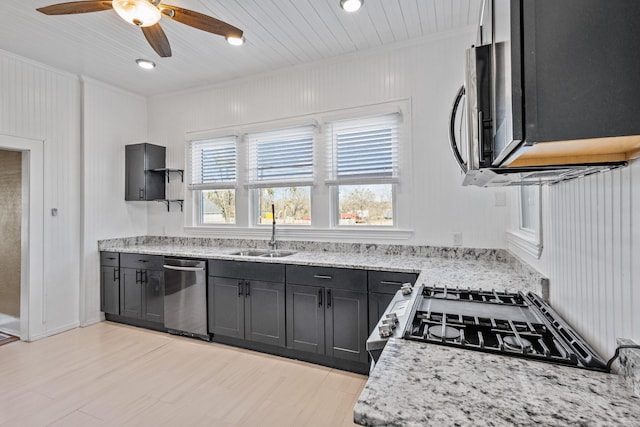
279 33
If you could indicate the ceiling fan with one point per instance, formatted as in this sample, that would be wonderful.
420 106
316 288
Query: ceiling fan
146 14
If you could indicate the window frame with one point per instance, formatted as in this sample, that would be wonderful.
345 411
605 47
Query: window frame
528 239
324 206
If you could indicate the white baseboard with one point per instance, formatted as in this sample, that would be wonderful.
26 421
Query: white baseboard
55 331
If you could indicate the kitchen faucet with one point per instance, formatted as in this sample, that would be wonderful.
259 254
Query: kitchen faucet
272 242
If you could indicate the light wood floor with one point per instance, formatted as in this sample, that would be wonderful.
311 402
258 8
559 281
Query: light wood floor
113 375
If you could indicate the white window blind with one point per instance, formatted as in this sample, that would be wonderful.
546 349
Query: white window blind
364 150
281 158
213 163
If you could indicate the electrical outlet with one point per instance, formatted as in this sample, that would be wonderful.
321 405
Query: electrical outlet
501 198
457 239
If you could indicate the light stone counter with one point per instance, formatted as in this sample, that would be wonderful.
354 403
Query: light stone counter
419 384
474 268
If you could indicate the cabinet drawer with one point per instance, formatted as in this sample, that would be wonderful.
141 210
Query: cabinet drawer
330 277
141 261
110 259
247 270
388 282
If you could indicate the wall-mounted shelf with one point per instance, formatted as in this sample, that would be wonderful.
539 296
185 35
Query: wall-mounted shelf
168 171
169 201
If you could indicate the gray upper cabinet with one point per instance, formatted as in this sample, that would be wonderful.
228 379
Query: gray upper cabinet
246 300
142 287
110 282
141 183
327 311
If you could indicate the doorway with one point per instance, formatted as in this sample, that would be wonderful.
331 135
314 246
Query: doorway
11 231
23 221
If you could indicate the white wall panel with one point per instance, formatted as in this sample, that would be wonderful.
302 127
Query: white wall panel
428 72
39 103
112 118
592 238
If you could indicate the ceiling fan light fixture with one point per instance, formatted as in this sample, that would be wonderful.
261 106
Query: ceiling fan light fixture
141 13
351 5
235 41
146 64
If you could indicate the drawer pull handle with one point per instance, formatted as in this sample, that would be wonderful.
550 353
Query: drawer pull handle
320 276
385 282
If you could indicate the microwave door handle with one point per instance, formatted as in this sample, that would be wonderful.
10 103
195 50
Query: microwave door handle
452 130
481 136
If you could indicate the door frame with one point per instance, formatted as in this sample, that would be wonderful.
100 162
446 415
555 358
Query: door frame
32 290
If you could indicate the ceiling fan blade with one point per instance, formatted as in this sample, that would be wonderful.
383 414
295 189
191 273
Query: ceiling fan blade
75 7
158 40
200 21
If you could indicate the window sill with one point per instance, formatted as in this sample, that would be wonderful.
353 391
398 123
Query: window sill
314 234
526 242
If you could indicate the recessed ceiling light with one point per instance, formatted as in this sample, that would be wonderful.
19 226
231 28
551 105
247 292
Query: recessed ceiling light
235 41
146 64
351 5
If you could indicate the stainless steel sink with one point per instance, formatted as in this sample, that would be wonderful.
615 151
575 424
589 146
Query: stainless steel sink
263 253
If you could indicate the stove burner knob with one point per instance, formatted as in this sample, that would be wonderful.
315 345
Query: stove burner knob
384 330
389 322
392 317
406 288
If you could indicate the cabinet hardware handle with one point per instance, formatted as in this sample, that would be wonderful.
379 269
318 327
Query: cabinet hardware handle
240 283
110 257
138 276
321 276
146 279
385 282
320 297
247 289
328 298
116 274
174 267
143 260
141 193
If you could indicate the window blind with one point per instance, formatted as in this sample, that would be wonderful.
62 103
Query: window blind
281 158
213 163
364 150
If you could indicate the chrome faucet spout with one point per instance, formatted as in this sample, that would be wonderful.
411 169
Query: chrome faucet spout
273 243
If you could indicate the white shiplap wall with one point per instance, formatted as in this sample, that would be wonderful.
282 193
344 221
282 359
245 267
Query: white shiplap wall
591 239
112 118
428 71
40 103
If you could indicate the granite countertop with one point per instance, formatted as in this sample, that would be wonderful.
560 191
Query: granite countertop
434 271
420 384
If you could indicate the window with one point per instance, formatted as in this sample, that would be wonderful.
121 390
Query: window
281 175
364 169
213 179
527 235
529 211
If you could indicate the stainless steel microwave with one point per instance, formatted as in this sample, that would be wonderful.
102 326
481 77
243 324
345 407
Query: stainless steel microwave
547 102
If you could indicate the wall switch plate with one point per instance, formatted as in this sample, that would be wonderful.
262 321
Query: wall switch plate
54 211
457 239
501 198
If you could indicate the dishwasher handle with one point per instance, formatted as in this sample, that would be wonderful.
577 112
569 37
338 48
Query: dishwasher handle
174 267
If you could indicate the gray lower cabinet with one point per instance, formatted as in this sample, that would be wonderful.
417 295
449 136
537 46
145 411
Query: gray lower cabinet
110 282
327 311
382 286
247 301
142 287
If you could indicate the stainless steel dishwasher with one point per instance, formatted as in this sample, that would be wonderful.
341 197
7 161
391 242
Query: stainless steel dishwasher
185 297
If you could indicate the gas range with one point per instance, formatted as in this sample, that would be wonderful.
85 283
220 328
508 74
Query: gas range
512 324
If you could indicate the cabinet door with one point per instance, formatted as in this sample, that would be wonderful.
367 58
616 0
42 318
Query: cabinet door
226 306
305 318
130 293
264 312
378 303
153 298
346 324
134 172
110 289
